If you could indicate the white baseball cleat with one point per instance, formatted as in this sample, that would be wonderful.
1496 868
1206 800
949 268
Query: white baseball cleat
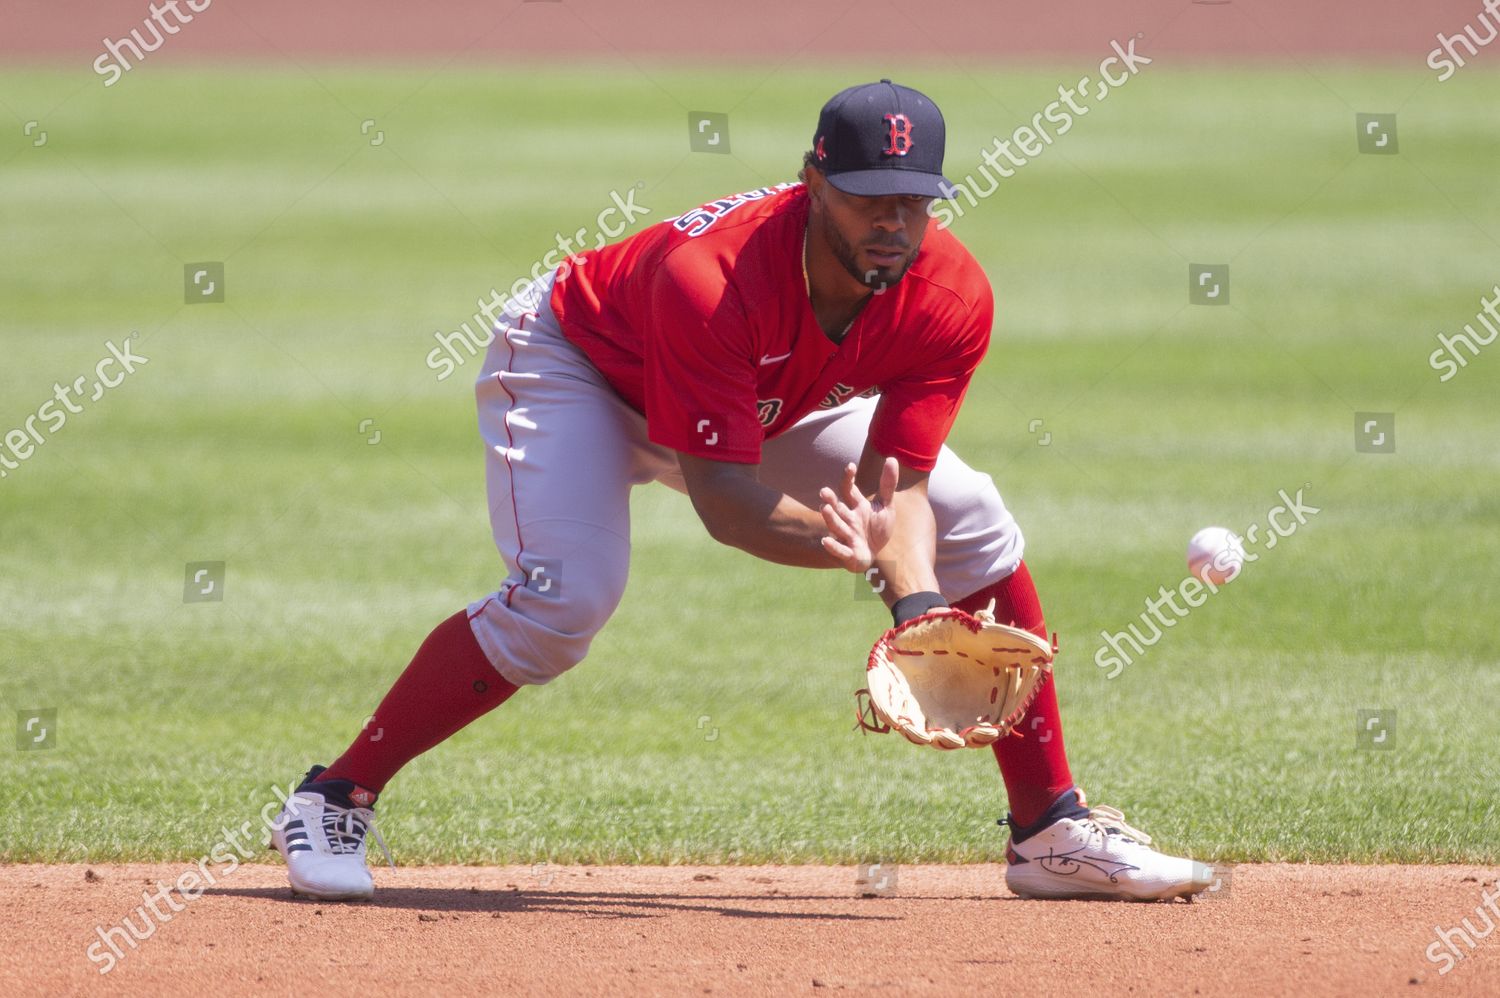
1097 857
321 832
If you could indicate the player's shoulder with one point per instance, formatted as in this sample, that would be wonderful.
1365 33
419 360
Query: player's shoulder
725 224
738 240
946 274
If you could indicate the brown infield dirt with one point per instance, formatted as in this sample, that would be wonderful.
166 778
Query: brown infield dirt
1278 929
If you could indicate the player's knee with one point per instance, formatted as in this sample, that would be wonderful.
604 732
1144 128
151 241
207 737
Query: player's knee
542 621
965 501
581 613
978 540
985 504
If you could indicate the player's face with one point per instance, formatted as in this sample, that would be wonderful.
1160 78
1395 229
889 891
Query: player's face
875 238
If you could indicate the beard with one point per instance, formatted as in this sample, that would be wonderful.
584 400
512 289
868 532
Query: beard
877 279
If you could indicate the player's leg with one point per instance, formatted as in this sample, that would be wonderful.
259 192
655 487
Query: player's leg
979 550
1034 765
978 560
562 453
1059 847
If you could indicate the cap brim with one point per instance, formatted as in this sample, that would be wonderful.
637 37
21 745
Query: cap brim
882 183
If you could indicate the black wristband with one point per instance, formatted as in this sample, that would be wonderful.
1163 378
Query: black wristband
914 605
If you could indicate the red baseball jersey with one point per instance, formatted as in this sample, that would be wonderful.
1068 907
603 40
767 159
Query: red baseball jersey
702 323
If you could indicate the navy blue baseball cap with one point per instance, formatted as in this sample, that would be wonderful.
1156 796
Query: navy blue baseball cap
881 138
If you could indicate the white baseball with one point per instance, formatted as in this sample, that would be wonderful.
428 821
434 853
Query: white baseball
1216 555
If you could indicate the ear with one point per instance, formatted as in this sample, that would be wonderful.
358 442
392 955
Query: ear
815 181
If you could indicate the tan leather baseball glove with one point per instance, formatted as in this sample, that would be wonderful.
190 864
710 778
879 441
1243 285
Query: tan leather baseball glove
952 680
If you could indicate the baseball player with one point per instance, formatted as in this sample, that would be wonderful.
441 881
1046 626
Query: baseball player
792 359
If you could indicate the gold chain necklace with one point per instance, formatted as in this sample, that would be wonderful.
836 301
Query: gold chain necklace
806 281
807 284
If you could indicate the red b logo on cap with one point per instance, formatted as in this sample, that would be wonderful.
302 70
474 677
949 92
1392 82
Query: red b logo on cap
899 141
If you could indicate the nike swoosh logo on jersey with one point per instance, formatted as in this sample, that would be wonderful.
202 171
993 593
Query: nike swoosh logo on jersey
764 359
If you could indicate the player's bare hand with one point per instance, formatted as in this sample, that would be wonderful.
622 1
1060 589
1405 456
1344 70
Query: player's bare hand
859 526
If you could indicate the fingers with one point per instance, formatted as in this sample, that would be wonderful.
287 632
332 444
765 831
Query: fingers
852 495
848 519
831 501
844 555
890 474
838 526
844 539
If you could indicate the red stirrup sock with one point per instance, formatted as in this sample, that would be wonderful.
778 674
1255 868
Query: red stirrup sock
1034 766
448 684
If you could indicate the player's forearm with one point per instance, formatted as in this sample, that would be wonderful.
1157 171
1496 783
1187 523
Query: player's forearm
763 522
906 563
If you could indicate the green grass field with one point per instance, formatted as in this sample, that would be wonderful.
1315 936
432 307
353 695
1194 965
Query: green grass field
713 721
